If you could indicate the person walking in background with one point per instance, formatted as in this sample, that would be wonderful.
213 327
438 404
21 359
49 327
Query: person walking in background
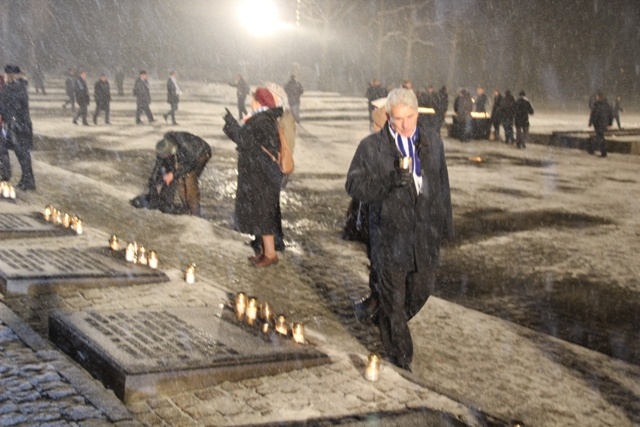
173 97
463 106
409 214
294 91
242 90
616 110
102 96
70 90
38 80
507 110
522 111
442 106
17 129
82 98
143 97
120 81
601 118
257 205
496 120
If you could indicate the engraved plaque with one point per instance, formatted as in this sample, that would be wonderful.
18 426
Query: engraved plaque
139 353
21 225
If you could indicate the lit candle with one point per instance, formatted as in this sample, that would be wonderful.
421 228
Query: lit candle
252 310
297 331
114 243
78 225
12 192
142 255
5 191
266 327
281 325
130 253
190 274
66 220
47 212
265 312
372 373
153 259
241 303
55 216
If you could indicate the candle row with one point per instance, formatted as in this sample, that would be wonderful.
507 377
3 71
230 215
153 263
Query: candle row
247 308
134 253
7 191
57 217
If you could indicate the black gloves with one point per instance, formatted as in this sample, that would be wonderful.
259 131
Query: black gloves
401 177
228 118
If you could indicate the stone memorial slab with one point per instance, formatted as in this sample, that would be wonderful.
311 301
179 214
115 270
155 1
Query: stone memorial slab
142 353
26 270
21 225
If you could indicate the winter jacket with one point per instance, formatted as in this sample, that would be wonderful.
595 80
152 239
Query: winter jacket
14 108
601 116
259 178
82 92
523 109
141 92
406 228
102 94
172 93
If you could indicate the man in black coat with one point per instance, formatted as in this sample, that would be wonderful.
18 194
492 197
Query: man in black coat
69 89
173 97
507 110
294 91
18 130
521 117
102 96
143 97
82 98
481 100
184 156
409 214
242 90
601 118
496 121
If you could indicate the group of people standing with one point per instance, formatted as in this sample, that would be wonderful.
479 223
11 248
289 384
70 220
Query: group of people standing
507 112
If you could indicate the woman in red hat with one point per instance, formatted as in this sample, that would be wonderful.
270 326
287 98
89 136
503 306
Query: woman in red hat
258 193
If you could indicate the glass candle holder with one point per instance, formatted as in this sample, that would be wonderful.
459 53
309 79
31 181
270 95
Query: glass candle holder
130 253
266 328
372 372
297 331
266 313
142 255
46 213
153 259
114 243
252 310
66 220
78 226
12 192
241 303
190 274
281 325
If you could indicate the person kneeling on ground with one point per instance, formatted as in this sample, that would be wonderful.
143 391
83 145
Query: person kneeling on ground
180 159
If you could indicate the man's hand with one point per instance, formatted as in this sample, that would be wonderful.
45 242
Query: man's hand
401 177
168 178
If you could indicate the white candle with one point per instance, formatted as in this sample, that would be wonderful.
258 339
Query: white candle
79 228
190 274
252 310
298 333
372 372
114 243
47 212
153 259
12 192
130 253
241 303
281 325
142 255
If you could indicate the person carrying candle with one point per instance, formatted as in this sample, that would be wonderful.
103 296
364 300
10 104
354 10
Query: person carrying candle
409 215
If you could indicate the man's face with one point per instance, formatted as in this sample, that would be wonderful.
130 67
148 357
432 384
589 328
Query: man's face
404 119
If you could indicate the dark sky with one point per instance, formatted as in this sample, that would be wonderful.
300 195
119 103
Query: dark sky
555 49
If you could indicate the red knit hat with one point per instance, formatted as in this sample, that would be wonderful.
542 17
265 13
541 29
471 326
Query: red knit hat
264 97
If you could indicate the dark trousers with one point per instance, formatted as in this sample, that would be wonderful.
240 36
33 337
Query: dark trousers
599 143
21 145
496 130
142 108
172 112
522 133
242 109
71 101
402 295
99 108
188 189
507 124
82 113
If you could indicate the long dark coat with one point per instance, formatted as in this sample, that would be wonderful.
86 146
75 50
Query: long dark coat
141 92
102 94
259 177
406 228
172 93
522 110
601 116
14 108
82 92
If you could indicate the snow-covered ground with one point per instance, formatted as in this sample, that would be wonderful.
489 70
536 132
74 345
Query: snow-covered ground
547 236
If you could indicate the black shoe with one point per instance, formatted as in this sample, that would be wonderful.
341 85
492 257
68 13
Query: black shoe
85 123
175 123
165 117
75 122
26 187
367 309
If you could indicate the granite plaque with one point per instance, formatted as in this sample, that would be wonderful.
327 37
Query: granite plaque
144 353
21 225
25 270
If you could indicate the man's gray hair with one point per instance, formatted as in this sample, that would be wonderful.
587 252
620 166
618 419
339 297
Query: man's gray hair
401 96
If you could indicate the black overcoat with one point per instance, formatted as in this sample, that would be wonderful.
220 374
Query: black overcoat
14 108
405 228
259 177
82 92
141 92
102 94
172 93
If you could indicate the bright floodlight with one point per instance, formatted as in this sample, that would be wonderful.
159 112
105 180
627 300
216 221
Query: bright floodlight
259 17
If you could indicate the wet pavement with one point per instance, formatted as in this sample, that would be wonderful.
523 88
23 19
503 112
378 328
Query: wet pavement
519 255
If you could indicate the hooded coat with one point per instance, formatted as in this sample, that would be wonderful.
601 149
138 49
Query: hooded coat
406 228
259 177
